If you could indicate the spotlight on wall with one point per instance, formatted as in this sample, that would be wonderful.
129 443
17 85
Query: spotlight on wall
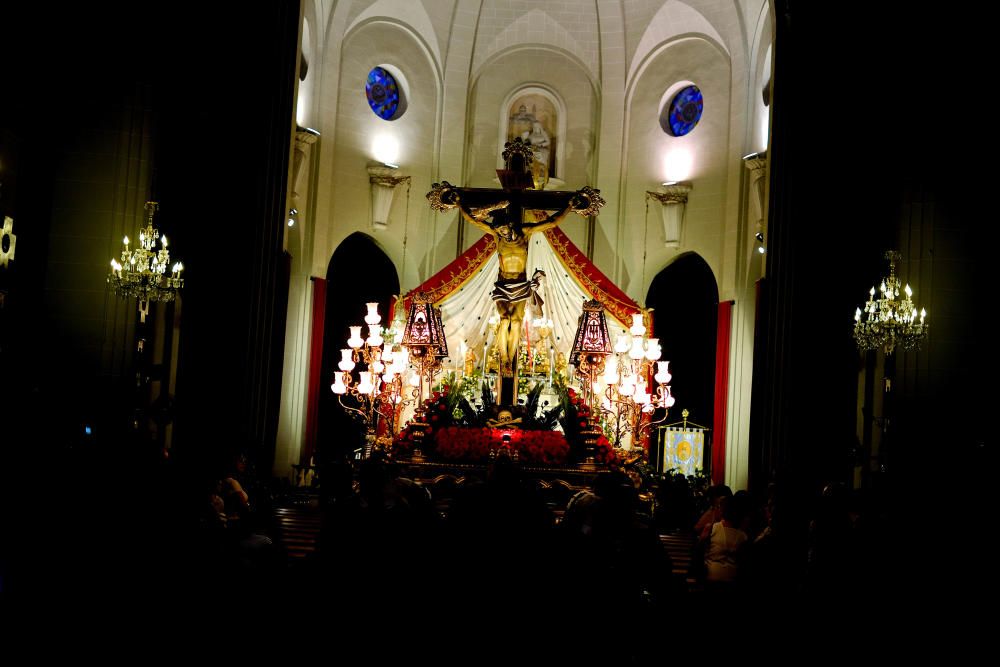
385 149
293 214
759 236
678 165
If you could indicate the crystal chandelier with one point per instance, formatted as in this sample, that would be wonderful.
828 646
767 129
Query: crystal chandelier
888 321
142 270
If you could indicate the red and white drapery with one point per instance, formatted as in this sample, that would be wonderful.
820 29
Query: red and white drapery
462 291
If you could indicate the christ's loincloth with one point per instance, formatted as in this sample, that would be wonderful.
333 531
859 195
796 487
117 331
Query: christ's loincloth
514 290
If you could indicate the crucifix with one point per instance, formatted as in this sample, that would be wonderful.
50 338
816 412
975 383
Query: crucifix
511 215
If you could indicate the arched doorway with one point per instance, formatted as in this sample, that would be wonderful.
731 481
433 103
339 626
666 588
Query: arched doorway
359 272
685 302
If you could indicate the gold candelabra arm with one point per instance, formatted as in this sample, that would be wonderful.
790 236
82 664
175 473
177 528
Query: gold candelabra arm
365 417
151 208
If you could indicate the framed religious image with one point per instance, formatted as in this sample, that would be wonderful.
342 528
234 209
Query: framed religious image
533 117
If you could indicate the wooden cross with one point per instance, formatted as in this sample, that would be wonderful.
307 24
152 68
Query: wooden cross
507 208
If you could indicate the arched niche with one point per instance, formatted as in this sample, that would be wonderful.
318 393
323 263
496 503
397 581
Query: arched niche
358 272
564 81
685 301
551 117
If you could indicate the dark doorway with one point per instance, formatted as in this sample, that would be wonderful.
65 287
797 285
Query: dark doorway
359 272
685 302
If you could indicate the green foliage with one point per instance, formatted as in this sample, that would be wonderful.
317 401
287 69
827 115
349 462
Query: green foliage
570 421
646 472
489 400
471 416
469 383
452 392
532 420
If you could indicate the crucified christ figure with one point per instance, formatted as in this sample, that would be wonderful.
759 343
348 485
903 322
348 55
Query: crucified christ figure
513 290
511 216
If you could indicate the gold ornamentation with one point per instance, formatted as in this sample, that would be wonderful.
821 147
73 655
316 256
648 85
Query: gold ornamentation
470 361
142 272
890 320
587 201
493 360
561 364
621 310
505 419
456 280
518 147
384 176
442 196
7 238
671 193
683 450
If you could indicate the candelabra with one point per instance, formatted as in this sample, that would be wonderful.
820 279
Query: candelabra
378 391
591 346
888 320
424 338
627 404
142 270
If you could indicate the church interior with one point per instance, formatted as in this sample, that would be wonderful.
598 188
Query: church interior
732 173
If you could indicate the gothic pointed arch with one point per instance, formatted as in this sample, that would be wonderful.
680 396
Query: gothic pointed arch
359 271
685 300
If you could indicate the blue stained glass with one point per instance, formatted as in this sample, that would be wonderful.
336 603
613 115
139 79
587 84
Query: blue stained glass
382 93
683 113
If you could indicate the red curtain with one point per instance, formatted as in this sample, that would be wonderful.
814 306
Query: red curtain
721 391
315 368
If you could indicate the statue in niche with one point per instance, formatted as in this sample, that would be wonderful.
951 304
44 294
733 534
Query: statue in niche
534 119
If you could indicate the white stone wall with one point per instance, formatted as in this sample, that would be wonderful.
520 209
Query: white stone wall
648 149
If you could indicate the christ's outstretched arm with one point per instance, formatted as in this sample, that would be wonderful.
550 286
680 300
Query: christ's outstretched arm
587 201
477 216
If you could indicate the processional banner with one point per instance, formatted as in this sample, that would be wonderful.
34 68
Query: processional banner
683 449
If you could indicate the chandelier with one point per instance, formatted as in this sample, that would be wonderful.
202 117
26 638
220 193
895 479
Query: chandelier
890 321
142 270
